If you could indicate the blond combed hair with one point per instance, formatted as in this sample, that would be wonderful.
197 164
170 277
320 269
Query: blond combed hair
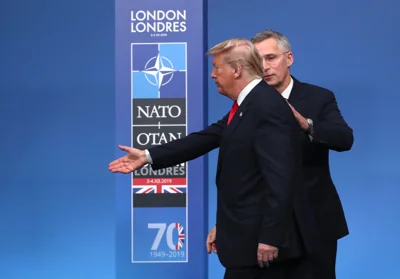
240 52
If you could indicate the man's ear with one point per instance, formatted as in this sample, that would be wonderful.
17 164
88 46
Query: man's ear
238 70
290 59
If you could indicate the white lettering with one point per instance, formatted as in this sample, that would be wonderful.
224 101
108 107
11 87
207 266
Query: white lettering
158 15
156 138
171 171
140 15
172 27
173 111
158 21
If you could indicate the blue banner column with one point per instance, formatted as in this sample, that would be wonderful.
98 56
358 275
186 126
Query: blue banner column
160 97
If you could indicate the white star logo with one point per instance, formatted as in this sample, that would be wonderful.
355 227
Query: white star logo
159 70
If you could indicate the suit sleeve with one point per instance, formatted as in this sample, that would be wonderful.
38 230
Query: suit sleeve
188 148
274 146
331 129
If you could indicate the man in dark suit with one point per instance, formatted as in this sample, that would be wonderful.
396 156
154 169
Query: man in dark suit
260 204
324 129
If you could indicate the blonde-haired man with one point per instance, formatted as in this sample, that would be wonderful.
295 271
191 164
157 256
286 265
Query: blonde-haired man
258 167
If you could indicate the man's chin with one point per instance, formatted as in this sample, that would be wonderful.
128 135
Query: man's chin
271 81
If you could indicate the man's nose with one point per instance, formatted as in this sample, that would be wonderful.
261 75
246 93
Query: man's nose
265 65
212 75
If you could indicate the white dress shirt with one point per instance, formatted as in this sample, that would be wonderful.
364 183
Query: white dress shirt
286 93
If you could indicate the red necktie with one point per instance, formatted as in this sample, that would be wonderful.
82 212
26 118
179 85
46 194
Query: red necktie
233 111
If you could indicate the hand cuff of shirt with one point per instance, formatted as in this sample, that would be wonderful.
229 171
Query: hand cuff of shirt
148 157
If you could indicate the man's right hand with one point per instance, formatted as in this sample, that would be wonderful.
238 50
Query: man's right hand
134 160
211 241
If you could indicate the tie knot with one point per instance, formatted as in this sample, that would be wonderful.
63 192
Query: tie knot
235 105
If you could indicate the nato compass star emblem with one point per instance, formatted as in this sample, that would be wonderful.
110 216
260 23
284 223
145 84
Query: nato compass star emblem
159 71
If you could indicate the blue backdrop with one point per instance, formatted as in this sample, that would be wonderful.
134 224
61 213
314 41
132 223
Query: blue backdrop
57 208
57 205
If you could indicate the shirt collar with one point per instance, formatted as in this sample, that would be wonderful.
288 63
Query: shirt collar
247 89
288 90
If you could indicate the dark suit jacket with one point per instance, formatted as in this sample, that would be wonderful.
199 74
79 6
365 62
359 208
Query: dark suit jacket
331 132
259 169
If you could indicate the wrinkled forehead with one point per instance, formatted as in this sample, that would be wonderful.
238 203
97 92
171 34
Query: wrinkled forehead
268 46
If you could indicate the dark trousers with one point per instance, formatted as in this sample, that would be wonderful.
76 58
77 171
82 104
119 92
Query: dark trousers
282 270
323 261
320 264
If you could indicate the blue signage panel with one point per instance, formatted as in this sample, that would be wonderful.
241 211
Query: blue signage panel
160 89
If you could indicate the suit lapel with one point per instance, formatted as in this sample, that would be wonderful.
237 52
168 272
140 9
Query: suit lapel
296 98
237 117
230 129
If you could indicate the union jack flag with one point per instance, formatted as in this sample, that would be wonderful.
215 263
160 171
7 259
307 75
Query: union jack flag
181 236
159 185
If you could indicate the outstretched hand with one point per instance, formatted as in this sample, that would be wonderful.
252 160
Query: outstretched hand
134 160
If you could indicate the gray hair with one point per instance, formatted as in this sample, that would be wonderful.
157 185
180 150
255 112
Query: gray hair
283 42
